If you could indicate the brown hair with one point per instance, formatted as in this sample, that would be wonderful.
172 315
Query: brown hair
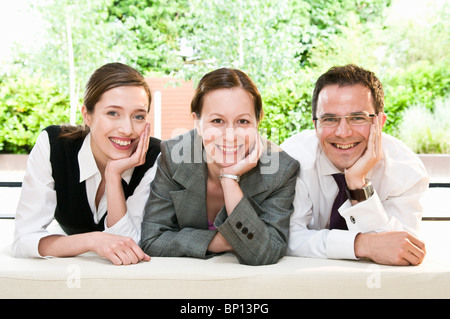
350 74
226 78
107 77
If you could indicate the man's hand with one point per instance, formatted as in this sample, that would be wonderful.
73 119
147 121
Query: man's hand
355 176
390 248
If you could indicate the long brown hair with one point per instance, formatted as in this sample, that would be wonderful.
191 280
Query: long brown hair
226 78
107 77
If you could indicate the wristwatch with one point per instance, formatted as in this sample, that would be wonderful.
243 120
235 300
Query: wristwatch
237 178
360 194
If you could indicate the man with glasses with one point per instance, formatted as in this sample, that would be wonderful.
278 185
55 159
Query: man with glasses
357 195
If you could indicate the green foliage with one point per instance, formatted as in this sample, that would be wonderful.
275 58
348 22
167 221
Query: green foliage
283 45
415 66
287 107
425 130
27 105
155 27
261 38
336 29
419 84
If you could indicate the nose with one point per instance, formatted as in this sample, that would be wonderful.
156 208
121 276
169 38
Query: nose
126 127
343 129
230 134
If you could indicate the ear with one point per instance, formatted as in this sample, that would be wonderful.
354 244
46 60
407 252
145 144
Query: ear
86 115
383 118
197 124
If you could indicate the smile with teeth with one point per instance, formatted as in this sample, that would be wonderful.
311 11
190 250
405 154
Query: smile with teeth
228 149
120 142
344 146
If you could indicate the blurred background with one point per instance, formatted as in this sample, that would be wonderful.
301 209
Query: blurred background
49 48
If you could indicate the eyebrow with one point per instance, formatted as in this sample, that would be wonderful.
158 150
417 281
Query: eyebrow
238 115
335 115
139 108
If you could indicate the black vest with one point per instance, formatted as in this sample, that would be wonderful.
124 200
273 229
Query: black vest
73 212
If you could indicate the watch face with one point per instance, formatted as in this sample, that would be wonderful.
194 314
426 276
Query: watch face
369 190
361 194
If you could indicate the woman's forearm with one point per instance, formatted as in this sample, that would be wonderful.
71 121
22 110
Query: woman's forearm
65 246
116 203
232 193
219 244
118 249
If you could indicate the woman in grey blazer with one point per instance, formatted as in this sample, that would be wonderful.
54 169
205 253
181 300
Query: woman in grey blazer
220 187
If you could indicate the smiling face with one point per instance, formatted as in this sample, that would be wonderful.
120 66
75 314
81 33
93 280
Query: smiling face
344 144
228 125
118 119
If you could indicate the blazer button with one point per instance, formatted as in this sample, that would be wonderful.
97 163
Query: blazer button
245 230
250 236
238 225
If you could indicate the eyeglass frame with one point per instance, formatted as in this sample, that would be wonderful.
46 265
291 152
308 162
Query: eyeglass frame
346 118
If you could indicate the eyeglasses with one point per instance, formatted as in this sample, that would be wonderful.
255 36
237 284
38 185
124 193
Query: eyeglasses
352 119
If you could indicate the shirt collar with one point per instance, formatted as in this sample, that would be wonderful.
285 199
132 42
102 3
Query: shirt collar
88 166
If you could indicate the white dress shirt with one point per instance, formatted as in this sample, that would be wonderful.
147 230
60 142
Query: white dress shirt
37 203
399 180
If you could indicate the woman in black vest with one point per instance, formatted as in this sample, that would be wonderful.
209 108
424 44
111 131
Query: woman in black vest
71 167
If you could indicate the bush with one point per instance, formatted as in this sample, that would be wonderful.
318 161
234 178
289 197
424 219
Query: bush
27 105
425 130
287 108
420 84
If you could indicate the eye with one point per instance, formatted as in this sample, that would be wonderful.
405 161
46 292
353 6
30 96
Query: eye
112 113
243 121
217 121
359 119
330 119
139 117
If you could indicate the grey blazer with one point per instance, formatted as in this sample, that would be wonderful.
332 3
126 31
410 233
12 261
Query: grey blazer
175 220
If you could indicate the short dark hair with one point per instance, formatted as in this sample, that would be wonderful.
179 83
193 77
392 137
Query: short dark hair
224 78
350 74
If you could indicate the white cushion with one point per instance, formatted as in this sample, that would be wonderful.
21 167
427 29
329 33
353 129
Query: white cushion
89 276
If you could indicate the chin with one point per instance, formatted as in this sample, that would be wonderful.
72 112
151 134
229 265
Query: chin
343 159
224 165
342 165
121 155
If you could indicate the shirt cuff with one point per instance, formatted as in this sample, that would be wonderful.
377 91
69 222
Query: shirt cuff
124 227
28 246
341 244
366 216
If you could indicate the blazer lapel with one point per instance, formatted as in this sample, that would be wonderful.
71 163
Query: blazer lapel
193 176
191 201
253 183
256 181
